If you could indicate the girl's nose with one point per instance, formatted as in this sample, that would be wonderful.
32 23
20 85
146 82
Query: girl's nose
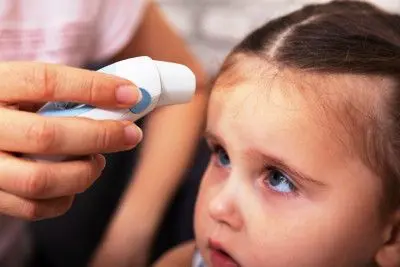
223 206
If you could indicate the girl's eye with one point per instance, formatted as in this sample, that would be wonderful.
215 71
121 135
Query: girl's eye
279 182
222 157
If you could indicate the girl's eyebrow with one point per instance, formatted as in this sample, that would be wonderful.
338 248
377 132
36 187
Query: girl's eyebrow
288 168
269 160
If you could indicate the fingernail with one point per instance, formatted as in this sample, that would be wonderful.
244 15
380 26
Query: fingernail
101 160
126 95
133 135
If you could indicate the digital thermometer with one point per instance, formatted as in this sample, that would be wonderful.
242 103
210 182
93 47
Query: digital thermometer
161 83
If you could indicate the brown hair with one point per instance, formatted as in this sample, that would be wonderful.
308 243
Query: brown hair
342 37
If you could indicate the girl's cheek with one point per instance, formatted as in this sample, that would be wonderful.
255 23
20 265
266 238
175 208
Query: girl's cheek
202 220
209 184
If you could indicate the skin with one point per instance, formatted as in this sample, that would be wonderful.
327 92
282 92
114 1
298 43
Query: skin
128 241
36 190
281 189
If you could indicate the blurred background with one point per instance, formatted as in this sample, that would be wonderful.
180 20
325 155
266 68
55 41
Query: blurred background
212 27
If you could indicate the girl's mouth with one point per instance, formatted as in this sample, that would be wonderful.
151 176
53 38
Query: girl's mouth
219 257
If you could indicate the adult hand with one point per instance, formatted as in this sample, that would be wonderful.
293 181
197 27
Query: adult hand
37 189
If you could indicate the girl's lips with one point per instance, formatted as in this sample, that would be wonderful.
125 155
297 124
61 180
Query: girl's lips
219 257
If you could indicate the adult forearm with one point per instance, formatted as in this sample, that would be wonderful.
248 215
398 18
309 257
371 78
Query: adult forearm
170 138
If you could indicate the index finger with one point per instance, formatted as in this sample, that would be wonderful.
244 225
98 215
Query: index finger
41 82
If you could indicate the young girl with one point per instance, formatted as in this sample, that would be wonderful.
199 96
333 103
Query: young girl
303 123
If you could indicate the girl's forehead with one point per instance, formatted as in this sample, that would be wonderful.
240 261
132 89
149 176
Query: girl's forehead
248 102
331 94
252 94
322 105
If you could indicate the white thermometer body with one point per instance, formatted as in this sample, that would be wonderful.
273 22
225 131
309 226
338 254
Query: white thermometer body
161 83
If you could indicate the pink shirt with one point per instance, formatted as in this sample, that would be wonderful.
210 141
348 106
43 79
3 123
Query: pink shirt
71 32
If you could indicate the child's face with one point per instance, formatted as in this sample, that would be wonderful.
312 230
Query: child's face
281 188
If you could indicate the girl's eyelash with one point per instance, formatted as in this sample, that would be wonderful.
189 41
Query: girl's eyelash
294 188
214 148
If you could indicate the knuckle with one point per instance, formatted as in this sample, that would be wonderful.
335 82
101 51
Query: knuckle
105 136
36 184
47 78
91 89
42 134
32 210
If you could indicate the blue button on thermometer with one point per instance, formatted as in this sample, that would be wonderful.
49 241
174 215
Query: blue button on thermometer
161 83
143 104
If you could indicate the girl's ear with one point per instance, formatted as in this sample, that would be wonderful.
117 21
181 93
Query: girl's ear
389 253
